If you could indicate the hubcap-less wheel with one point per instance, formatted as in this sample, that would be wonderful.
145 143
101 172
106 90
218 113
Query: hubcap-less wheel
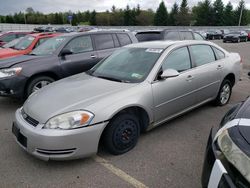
40 85
225 94
125 134
122 133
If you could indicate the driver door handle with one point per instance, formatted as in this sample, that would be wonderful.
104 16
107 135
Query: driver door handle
189 78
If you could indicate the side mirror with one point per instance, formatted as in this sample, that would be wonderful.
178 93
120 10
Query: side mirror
169 73
65 52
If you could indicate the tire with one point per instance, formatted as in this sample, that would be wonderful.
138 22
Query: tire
246 39
224 93
121 134
238 40
212 37
38 83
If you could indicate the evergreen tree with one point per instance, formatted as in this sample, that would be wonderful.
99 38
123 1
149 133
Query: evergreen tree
183 17
92 18
127 16
228 15
173 15
161 16
218 8
204 14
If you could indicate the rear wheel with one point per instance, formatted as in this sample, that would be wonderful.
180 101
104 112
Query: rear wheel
122 133
224 93
38 83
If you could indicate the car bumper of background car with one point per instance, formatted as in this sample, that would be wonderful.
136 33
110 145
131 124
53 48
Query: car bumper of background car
48 144
214 174
12 86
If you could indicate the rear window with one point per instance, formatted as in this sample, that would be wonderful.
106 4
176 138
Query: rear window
124 39
149 36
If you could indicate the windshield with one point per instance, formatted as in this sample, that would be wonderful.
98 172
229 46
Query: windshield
24 43
127 65
49 46
235 33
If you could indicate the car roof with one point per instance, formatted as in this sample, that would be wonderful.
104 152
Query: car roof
166 44
43 34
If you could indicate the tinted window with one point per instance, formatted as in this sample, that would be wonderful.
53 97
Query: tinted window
197 36
150 36
124 39
178 60
103 41
172 35
8 38
219 54
80 44
202 54
186 35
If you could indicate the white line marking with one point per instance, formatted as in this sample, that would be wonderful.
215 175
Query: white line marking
118 172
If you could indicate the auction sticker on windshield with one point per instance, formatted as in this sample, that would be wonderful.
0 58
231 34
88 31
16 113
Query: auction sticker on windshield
154 50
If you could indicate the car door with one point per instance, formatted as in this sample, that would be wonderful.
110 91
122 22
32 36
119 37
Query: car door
174 95
207 73
104 45
83 56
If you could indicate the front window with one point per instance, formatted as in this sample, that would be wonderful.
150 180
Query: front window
49 46
24 43
127 65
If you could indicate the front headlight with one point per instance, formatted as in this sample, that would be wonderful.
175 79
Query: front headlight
10 72
234 154
70 120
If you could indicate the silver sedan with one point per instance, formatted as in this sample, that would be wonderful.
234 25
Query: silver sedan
135 89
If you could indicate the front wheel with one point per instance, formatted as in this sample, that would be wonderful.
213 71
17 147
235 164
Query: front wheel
38 83
224 93
121 134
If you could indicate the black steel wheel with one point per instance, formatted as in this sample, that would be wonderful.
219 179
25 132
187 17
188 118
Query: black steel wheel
121 134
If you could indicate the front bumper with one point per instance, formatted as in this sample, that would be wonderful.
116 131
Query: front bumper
230 40
12 86
215 174
48 144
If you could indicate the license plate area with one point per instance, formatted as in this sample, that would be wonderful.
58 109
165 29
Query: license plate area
20 137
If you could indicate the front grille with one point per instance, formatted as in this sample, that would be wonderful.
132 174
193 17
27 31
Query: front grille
29 119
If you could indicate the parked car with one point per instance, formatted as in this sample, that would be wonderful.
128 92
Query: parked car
151 35
44 29
57 58
135 89
248 34
227 160
212 35
202 33
26 44
236 36
8 36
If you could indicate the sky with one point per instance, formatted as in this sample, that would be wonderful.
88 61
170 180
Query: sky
48 6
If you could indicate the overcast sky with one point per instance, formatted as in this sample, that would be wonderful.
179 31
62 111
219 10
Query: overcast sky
47 6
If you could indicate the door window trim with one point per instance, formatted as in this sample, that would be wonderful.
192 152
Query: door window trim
191 62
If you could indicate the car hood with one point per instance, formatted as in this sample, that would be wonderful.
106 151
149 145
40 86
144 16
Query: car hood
5 63
69 94
8 52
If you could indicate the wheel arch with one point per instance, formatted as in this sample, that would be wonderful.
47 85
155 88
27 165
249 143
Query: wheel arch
231 78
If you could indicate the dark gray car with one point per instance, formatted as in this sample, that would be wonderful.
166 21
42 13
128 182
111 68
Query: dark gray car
57 58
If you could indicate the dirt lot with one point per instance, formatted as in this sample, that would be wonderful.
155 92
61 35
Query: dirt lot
168 156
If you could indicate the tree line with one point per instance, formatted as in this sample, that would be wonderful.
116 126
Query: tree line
205 13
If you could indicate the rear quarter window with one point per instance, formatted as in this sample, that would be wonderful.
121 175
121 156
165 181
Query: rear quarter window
218 53
124 39
202 54
104 41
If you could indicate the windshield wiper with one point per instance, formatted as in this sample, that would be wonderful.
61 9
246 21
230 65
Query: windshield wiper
32 54
109 78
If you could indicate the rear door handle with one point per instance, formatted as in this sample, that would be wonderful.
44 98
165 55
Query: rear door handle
189 78
93 56
219 67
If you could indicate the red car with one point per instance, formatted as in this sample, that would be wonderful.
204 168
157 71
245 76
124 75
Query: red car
248 36
8 36
26 44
